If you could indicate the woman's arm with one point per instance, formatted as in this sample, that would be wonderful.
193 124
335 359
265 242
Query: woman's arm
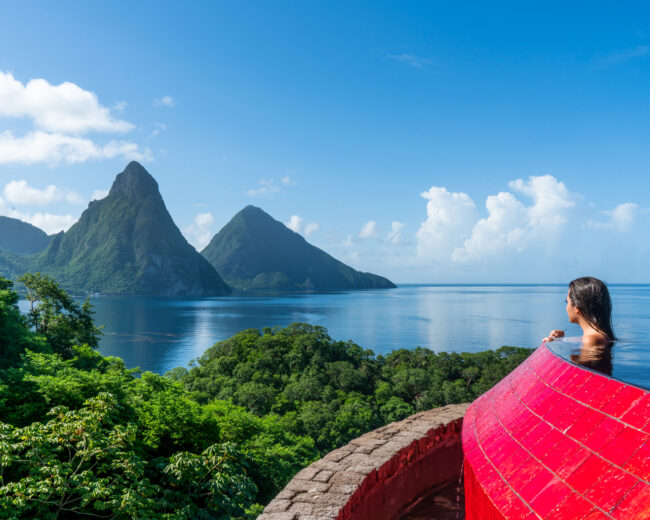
552 335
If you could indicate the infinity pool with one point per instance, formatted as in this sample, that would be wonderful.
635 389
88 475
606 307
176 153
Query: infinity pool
626 361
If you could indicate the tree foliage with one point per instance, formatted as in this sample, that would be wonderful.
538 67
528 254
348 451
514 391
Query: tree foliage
82 436
333 391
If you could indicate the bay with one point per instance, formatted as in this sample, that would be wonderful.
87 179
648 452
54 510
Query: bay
158 334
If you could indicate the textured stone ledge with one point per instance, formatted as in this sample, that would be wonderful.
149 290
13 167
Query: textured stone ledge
377 475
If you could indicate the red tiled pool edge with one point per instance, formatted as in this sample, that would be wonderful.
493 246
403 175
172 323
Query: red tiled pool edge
555 441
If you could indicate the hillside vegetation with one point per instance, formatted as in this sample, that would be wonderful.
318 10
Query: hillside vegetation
82 436
20 237
255 252
125 243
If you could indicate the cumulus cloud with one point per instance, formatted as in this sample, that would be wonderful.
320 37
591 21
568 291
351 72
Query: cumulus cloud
59 115
310 229
286 180
295 224
199 232
65 108
395 234
512 226
48 222
53 149
621 218
450 218
453 230
99 194
165 101
19 192
369 230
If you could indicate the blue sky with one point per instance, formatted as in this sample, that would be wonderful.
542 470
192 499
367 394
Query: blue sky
465 142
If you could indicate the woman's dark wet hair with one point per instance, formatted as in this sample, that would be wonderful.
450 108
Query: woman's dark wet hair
591 297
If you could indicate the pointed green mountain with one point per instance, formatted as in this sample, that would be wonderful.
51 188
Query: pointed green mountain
127 243
256 252
21 238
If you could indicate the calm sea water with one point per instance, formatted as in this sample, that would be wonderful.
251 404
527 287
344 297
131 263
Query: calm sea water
158 334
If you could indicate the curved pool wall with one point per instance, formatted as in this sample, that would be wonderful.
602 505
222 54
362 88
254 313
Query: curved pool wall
554 440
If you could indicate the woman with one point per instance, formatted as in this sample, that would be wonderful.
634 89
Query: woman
589 305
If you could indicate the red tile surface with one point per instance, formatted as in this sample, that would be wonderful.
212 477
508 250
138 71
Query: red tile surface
625 399
639 414
587 423
550 497
591 388
572 463
608 392
585 475
639 463
559 445
602 434
540 480
595 514
635 505
610 488
573 507
563 452
621 447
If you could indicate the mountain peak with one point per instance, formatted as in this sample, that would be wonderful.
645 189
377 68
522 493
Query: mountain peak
134 182
255 251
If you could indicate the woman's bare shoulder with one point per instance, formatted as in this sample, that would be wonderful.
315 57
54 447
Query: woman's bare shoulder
595 340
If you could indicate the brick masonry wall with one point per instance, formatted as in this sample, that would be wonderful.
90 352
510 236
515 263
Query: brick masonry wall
376 475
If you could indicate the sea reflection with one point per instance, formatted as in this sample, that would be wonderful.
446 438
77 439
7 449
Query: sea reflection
159 334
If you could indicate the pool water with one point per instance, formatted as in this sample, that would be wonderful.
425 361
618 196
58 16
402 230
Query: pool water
626 360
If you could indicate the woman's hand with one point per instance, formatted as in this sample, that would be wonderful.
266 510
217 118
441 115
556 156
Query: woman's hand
552 335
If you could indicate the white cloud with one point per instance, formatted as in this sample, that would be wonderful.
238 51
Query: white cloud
165 101
199 232
120 106
160 127
286 180
621 218
53 149
395 234
551 199
59 114
512 226
411 60
450 218
48 222
64 108
453 230
19 192
369 230
267 189
295 223
99 194
505 227
310 229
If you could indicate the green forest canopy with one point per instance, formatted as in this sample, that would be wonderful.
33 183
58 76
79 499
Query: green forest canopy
83 436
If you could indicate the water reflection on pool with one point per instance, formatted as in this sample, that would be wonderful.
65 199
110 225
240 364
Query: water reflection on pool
624 360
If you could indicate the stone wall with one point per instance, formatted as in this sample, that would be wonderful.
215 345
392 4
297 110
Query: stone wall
377 475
